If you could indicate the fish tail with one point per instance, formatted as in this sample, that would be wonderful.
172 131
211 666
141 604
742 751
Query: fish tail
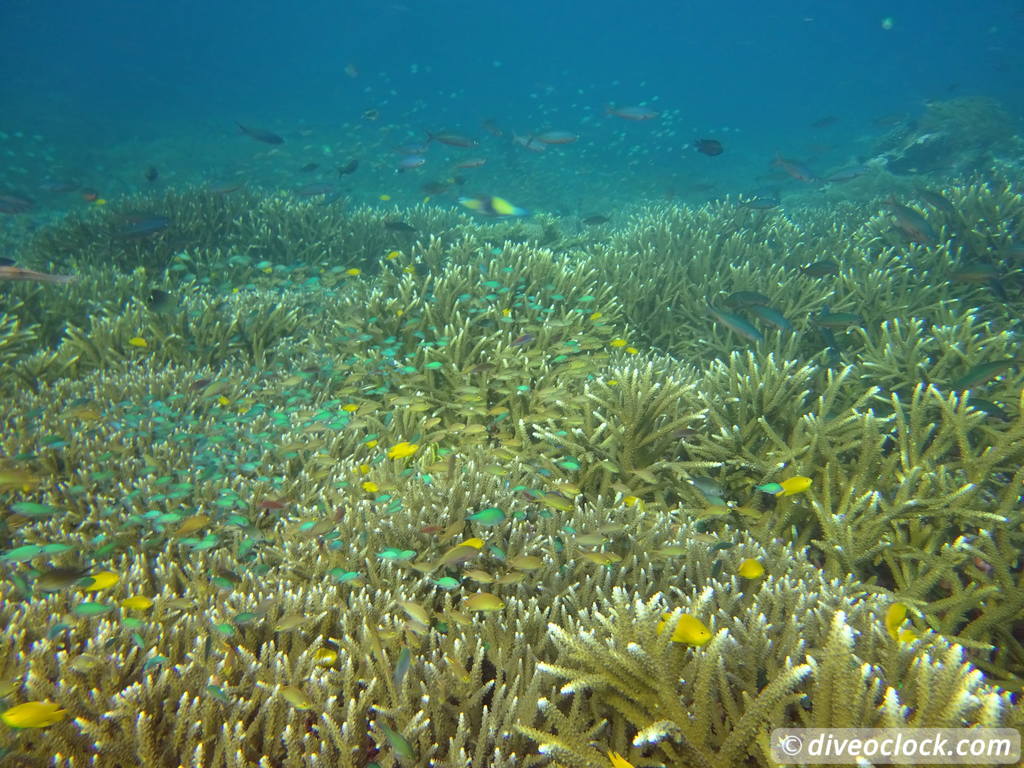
58 279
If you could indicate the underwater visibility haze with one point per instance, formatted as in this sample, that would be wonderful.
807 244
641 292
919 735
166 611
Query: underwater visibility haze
539 384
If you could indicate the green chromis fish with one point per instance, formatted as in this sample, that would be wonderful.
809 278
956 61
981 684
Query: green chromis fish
398 742
827 319
979 374
735 323
771 316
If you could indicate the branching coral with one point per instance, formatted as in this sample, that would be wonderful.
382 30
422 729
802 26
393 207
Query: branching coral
358 440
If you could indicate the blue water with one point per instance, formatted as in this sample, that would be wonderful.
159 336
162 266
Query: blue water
111 87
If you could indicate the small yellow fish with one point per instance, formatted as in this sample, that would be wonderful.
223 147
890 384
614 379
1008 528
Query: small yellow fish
325 656
751 569
290 621
556 501
33 714
138 341
618 761
458 554
526 562
483 601
190 525
137 603
483 577
354 272
689 629
415 611
618 343
402 450
461 673
296 697
370 486
794 485
385 198
85 663
102 580
895 616
670 551
350 408
391 255
601 558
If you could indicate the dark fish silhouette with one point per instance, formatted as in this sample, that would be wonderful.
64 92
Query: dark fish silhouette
260 135
143 225
710 147
15 204
160 301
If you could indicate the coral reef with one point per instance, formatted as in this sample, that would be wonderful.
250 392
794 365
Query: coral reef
424 494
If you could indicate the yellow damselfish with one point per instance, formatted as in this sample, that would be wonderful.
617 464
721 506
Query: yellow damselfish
484 601
138 341
33 714
402 450
102 580
689 629
618 761
325 656
794 485
895 616
137 603
751 569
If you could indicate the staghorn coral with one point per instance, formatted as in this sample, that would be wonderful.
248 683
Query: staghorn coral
14 339
714 705
237 471
204 674
626 428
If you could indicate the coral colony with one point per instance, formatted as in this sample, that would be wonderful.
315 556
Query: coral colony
290 484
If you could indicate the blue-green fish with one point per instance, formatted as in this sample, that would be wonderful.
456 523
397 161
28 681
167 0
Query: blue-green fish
736 324
771 316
